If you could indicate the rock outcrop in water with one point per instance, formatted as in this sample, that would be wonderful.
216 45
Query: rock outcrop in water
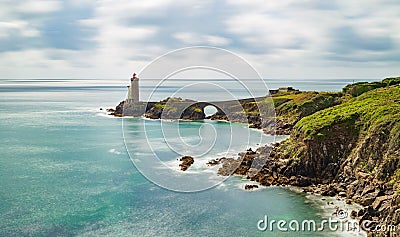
250 186
166 109
187 161
118 111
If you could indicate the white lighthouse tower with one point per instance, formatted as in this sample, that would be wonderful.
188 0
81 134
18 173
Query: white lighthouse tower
133 90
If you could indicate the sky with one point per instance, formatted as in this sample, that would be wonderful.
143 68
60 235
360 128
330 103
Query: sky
108 39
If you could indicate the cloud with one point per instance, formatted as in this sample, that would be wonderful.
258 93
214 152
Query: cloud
108 38
38 6
348 40
197 39
21 28
312 35
267 31
44 24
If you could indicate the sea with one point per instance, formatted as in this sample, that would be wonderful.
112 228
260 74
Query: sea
67 168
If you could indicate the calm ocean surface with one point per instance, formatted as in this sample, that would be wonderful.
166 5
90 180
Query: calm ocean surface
65 171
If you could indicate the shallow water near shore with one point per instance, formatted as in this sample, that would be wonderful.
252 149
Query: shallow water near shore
64 171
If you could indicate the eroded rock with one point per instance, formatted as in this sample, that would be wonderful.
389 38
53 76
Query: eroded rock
187 161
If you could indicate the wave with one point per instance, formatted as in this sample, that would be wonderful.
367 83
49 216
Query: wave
114 151
105 115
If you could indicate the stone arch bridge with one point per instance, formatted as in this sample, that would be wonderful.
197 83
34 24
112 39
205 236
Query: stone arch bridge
243 110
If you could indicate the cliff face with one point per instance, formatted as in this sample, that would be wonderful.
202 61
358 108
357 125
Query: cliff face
357 145
362 133
350 149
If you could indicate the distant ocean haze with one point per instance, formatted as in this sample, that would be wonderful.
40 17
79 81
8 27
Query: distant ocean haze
197 89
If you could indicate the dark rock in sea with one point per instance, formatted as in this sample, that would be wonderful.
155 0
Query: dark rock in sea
353 214
213 162
118 111
217 161
187 161
250 186
229 166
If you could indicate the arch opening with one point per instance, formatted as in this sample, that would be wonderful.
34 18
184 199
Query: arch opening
210 110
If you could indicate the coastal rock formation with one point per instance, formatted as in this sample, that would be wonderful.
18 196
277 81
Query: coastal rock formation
217 161
238 166
118 111
187 161
175 108
290 107
170 108
350 150
269 174
250 186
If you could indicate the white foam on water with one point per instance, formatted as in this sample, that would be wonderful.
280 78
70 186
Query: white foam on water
105 115
114 151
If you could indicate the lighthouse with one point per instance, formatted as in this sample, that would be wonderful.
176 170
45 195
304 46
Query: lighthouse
133 90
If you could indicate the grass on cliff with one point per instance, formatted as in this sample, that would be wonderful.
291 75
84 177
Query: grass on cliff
371 109
359 88
292 107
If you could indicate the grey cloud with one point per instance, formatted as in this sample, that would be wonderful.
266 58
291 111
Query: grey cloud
58 30
317 4
176 19
347 40
365 58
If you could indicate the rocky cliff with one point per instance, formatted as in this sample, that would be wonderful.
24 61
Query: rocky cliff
351 149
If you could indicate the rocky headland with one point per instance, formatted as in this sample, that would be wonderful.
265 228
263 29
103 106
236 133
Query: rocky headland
345 144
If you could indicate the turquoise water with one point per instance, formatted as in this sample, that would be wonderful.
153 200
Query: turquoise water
64 171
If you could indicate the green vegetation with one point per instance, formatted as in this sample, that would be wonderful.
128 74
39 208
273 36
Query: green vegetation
196 109
391 81
160 105
362 132
292 107
169 108
375 108
359 88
